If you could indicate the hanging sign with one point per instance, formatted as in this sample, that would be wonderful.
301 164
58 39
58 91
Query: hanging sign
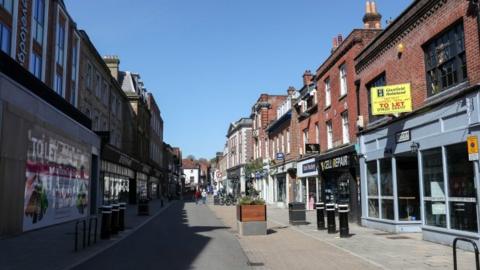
472 142
391 99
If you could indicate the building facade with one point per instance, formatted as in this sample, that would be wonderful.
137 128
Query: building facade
415 168
156 146
239 142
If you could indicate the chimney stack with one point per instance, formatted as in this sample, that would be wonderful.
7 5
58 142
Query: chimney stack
307 78
372 18
340 39
113 63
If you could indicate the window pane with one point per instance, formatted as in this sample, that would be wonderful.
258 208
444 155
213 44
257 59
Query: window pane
433 173
387 209
408 188
463 216
386 183
373 208
435 214
5 38
460 172
372 178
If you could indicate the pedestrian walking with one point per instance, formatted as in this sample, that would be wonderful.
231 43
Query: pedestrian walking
204 196
197 196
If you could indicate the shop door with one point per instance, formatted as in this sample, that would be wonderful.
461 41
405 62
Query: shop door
408 187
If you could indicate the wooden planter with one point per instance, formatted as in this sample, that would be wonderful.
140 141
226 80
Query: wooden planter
252 219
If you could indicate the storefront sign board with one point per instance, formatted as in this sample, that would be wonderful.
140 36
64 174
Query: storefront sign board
391 99
333 163
403 136
57 180
309 167
472 142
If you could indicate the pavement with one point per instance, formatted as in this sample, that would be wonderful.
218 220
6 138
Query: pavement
53 247
185 236
304 247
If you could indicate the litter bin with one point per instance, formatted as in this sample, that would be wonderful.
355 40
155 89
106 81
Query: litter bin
106 222
121 216
143 208
320 215
115 211
330 208
296 213
343 210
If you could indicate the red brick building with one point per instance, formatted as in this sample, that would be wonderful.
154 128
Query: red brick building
327 115
415 168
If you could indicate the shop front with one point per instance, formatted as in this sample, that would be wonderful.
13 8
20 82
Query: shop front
49 161
236 182
417 176
284 188
307 182
340 182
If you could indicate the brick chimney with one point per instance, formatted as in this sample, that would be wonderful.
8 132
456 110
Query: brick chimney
307 77
340 39
372 19
113 63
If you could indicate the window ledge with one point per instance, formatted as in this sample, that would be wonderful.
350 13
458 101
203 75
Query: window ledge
445 94
342 96
327 107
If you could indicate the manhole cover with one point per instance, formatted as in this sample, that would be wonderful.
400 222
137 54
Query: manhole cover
398 237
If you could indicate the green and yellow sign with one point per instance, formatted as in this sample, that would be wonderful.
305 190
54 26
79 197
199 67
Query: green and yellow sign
391 99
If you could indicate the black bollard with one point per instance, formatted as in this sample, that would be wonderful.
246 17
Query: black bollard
106 222
320 216
115 212
330 207
343 219
121 216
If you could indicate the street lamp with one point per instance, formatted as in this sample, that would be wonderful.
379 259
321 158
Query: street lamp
414 147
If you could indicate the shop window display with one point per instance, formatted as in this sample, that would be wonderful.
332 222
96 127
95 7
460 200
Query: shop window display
461 189
434 188
408 188
372 184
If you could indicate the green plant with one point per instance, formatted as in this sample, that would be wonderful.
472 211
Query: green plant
247 200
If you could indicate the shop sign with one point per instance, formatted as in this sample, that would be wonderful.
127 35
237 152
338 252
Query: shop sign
312 148
125 161
403 136
472 142
57 180
309 167
280 156
338 162
22 45
391 99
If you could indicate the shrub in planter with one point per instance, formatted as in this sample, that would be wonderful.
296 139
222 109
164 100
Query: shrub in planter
252 216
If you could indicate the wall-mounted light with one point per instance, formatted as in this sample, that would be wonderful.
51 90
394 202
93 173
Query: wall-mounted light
414 147
400 50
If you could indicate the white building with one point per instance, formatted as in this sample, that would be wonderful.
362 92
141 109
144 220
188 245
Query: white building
239 142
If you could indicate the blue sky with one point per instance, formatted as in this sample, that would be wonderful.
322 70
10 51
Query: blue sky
207 61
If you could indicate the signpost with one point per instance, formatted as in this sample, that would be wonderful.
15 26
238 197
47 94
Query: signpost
472 142
391 99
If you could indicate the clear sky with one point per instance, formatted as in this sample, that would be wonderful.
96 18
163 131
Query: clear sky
207 61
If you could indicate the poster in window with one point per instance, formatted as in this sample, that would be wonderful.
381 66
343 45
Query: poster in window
439 209
57 180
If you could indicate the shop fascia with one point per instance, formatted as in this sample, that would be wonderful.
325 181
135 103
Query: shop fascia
441 198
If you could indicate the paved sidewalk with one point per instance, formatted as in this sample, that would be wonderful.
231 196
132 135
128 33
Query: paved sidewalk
53 248
303 247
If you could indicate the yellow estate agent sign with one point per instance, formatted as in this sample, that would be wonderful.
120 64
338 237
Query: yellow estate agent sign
472 143
391 99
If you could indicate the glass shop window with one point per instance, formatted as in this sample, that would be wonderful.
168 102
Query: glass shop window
372 183
461 189
434 188
408 188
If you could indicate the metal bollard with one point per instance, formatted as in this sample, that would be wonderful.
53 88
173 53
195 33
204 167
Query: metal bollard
115 214
343 210
330 208
106 222
121 216
320 215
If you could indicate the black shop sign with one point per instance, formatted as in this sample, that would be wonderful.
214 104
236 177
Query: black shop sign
309 167
334 163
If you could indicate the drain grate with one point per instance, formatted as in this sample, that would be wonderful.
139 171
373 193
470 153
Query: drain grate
255 264
398 237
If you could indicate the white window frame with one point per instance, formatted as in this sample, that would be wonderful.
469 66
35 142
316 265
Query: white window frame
328 93
343 80
329 135
345 129
288 141
317 133
305 140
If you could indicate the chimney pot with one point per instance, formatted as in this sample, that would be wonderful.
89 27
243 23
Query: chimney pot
368 9
340 39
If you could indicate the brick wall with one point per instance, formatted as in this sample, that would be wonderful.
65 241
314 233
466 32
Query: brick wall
410 67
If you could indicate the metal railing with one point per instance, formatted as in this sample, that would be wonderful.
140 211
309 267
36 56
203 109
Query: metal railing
86 238
475 247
